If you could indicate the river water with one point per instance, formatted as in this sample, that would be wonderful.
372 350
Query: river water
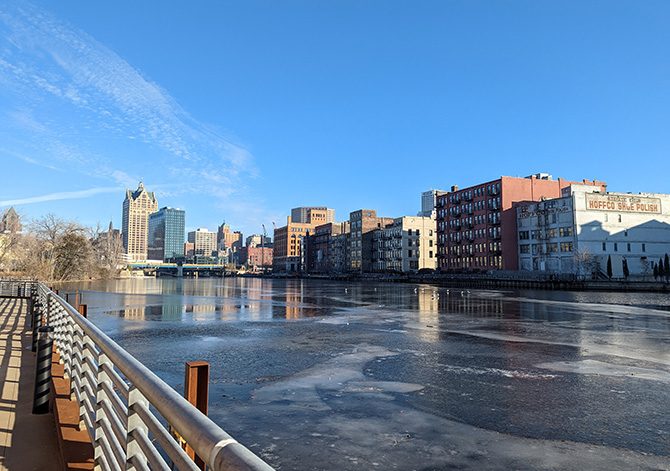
328 375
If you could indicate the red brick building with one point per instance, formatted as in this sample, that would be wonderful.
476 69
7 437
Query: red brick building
256 257
476 226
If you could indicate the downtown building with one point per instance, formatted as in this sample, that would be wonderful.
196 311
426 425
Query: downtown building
203 245
476 226
408 244
289 245
315 215
166 234
137 207
255 257
229 243
578 232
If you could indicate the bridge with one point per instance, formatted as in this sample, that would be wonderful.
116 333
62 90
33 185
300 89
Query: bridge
80 401
181 270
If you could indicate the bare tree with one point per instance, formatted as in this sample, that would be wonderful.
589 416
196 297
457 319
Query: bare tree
107 251
52 236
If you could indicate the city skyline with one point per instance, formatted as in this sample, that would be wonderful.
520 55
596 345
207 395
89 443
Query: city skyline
241 123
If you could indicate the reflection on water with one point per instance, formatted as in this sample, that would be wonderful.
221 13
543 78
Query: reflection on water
343 364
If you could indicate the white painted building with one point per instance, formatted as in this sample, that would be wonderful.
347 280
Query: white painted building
408 244
578 232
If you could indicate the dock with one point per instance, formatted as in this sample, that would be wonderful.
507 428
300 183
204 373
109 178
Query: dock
27 441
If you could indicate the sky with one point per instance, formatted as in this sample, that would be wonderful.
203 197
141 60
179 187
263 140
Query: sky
239 111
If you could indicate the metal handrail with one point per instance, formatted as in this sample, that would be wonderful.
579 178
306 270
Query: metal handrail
120 419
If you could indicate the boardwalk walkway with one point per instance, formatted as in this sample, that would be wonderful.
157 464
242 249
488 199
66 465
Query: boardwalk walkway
27 442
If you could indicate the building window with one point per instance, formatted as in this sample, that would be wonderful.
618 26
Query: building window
566 246
565 231
644 247
628 246
616 247
525 248
619 217
523 235
604 246
430 254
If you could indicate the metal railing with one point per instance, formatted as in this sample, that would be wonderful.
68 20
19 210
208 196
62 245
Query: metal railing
118 399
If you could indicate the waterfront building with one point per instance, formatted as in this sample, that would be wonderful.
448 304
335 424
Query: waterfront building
204 244
189 250
288 244
476 226
314 215
338 250
318 246
578 232
10 222
362 223
137 206
166 234
429 203
407 244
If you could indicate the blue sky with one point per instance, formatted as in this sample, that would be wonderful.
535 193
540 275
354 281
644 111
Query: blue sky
239 111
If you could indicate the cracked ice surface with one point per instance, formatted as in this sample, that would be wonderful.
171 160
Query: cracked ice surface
349 376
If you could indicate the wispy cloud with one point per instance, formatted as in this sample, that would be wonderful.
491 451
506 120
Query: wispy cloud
81 107
66 195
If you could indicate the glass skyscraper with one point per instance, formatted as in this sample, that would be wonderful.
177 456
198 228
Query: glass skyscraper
166 234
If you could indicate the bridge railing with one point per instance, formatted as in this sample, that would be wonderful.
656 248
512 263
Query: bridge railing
134 419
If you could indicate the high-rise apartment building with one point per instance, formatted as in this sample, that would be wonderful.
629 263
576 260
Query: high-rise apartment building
315 215
476 226
166 234
204 243
137 207
362 223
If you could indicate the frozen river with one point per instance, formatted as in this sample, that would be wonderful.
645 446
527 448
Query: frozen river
327 375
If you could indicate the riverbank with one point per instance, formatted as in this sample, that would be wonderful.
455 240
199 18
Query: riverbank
496 282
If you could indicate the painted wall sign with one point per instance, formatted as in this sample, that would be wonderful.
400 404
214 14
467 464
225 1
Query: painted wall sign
623 203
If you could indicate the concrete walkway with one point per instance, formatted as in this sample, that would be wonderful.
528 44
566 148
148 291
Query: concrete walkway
27 442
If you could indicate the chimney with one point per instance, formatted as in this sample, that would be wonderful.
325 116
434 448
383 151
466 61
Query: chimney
454 188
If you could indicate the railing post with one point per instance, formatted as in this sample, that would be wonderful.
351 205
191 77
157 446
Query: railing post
134 425
196 391
98 453
37 323
43 371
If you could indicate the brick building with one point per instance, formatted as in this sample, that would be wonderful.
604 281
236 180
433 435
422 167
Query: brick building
256 257
476 226
362 223
319 245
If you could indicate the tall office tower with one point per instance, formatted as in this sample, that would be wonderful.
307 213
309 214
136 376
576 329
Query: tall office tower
135 222
429 202
166 234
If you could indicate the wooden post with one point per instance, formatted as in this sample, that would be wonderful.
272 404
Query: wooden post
83 310
196 391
